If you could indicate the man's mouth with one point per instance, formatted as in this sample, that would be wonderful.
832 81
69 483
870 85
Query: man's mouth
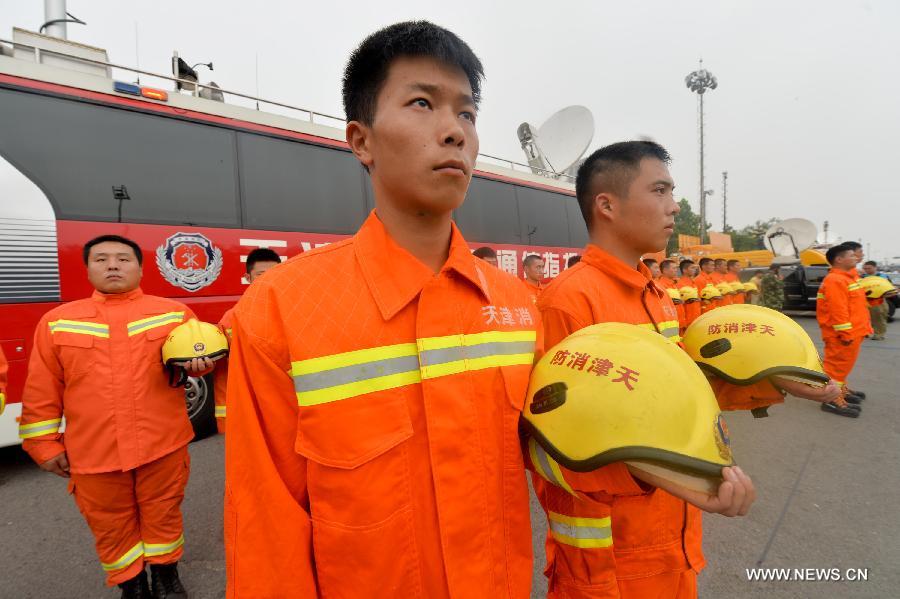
452 167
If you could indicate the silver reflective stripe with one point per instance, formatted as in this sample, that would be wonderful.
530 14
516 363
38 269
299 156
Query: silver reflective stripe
580 532
317 381
544 463
433 357
78 327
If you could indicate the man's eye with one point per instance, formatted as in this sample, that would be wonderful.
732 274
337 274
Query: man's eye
468 116
422 102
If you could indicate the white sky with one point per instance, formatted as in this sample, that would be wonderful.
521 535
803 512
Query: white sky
806 119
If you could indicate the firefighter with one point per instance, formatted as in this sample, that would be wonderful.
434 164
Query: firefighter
668 281
704 278
878 309
718 275
771 288
685 284
4 368
843 316
487 254
97 363
373 448
258 261
733 277
653 266
533 266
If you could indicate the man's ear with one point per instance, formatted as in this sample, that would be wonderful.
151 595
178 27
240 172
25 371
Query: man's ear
604 205
358 140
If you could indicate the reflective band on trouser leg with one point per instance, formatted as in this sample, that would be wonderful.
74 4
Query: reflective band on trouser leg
145 324
126 560
220 411
157 549
546 467
585 533
36 429
94 329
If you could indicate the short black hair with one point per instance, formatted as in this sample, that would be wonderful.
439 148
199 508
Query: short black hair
648 261
86 251
732 263
613 168
261 255
871 263
666 263
720 261
530 258
573 260
484 252
852 245
683 264
837 251
367 68
705 261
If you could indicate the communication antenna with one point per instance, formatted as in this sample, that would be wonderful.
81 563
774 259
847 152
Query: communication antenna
788 238
558 145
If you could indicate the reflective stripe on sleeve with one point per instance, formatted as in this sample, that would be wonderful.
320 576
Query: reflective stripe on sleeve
94 329
145 324
126 560
585 533
843 327
546 467
154 549
820 296
853 286
37 429
668 329
220 411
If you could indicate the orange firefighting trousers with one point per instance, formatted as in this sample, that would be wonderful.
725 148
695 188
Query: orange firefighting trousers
135 515
840 358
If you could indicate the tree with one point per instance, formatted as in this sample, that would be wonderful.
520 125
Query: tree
687 222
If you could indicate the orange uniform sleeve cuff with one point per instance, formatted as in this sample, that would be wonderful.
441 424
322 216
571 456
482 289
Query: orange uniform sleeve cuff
613 479
43 450
760 394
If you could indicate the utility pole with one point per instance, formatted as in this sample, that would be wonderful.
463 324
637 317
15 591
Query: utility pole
699 82
724 200
825 231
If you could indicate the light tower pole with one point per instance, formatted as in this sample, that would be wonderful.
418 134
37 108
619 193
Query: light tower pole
699 81
724 200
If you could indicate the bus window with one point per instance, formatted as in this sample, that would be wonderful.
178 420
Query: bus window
174 172
490 213
578 235
291 186
542 217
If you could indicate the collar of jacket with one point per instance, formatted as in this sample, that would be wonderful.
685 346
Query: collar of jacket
850 274
117 298
395 277
639 278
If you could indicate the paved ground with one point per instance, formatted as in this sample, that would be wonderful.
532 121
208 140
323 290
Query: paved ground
843 512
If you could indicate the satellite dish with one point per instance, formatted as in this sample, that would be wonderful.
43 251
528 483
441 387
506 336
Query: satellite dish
787 238
558 145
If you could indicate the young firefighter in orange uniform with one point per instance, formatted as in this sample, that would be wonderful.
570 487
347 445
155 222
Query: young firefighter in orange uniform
843 315
718 275
625 192
97 362
706 277
533 265
375 385
258 261
733 276
668 280
692 308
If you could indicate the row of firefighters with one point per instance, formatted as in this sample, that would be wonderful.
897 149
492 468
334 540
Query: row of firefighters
301 468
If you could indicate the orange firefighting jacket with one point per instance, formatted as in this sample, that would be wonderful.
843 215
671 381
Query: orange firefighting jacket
372 445
841 307
534 290
692 309
737 298
221 374
700 281
717 278
98 363
4 368
652 532
667 283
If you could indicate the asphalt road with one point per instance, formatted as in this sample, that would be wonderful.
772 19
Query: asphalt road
829 489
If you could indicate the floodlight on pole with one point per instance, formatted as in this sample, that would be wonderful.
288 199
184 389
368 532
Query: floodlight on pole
699 82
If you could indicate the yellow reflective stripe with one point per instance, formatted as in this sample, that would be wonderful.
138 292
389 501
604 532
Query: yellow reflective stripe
820 296
668 329
2 402
853 286
393 381
220 411
843 327
353 358
154 549
448 341
453 354
585 533
145 324
37 429
547 467
126 560
94 329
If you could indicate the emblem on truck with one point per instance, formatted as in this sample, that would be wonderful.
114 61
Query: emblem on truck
189 261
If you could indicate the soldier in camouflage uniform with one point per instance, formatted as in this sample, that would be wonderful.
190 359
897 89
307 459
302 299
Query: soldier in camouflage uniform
772 289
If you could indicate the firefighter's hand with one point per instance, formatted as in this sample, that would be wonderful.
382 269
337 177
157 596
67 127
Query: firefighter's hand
736 493
829 392
198 366
58 465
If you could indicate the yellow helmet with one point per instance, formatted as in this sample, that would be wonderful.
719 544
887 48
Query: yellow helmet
743 343
616 392
710 292
876 286
673 293
689 294
192 339
724 288
750 286
736 287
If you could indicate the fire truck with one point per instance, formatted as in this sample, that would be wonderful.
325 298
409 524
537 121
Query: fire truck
198 176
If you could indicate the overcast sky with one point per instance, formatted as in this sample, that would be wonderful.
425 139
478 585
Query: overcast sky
806 119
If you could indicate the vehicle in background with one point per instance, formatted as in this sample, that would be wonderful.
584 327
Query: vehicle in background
801 284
